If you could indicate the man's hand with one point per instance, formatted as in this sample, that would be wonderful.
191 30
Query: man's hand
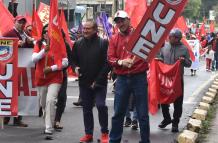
158 59
47 70
127 62
182 58
93 85
20 43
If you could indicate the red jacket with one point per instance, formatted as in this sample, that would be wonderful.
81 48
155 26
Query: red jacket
117 51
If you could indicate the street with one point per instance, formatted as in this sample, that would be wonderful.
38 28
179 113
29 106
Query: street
72 120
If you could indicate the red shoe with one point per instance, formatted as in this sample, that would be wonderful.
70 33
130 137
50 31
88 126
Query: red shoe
104 138
86 138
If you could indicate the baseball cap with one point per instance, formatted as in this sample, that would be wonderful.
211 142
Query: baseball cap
120 14
176 32
20 17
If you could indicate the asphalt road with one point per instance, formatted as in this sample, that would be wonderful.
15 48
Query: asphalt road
195 87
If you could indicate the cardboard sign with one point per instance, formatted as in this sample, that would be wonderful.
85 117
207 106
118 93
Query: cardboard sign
8 77
154 28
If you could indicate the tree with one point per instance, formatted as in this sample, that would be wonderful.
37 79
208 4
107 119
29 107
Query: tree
192 9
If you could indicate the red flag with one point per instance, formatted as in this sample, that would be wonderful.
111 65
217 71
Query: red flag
165 84
192 56
37 25
64 26
212 28
57 45
135 9
181 24
6 19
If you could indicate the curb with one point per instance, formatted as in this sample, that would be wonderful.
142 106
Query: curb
194 125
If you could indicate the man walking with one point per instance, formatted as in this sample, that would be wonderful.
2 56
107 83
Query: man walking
90 63
169 54
131 78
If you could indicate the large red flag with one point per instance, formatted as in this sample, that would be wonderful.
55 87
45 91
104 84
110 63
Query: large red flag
165 84
57 45
37 25
135 9
64 26
6 19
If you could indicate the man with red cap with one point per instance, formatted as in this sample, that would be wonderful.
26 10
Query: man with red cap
131 78
18 32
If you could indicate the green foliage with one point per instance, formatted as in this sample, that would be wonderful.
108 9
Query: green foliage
192 9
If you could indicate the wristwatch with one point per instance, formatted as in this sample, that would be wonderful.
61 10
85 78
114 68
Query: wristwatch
120 62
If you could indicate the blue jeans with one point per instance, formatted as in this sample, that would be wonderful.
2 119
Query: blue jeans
136 84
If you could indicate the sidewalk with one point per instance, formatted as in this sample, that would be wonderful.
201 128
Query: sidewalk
213 134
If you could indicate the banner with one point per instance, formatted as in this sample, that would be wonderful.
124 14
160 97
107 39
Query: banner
28 101
164 84
43 12
8 77
154 27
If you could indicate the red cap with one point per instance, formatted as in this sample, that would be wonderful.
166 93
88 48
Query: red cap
20 17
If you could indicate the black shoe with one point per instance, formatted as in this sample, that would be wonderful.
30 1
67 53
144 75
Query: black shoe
128 122
77 103
164 123
175 129
20 124
134 125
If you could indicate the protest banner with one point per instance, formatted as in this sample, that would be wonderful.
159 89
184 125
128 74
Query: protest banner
8 77
27 97
164 84
154 27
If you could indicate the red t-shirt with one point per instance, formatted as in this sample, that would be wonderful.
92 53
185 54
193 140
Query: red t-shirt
52 77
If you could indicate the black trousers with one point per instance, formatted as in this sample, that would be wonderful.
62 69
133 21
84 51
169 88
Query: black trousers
62 99
88 96
177 108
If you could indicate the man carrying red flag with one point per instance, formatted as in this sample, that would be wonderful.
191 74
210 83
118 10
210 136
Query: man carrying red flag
170 54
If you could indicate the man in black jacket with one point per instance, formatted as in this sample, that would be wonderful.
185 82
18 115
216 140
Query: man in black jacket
90 63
